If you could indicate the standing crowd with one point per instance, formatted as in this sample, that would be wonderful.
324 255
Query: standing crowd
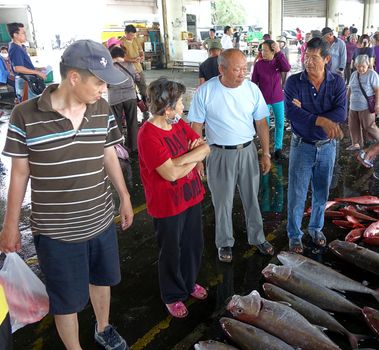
63 141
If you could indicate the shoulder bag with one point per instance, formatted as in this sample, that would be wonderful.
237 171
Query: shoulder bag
140 102
370 99
35 83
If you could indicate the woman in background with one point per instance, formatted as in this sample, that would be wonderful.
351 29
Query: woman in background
363 48
362 124
351 45
267 75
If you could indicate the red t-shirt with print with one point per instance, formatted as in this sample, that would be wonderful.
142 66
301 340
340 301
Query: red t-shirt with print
155 146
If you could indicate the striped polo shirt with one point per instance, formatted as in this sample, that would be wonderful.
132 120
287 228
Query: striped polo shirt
70 192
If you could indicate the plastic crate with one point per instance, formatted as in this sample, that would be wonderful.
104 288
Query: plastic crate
49 77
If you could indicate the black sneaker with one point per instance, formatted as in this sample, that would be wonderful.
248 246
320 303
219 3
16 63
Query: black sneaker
110 339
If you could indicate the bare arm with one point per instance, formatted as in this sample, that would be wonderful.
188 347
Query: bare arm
263 133
198 128
24 70
174 169
113 169
10 239
377 100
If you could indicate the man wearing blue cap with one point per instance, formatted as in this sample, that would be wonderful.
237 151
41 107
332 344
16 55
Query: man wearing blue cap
63 141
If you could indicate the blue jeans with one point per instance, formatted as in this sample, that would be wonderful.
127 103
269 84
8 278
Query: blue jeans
278 110
308 163
20 86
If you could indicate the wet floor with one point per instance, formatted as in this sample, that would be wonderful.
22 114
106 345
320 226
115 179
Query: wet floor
136 308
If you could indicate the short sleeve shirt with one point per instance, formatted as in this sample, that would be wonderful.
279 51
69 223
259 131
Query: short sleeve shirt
155 146
228 113
70 191
369 81
133 49
19 57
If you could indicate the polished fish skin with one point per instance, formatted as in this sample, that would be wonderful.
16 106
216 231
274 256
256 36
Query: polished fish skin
248 337
296 283
372 319
279 320
364 258
312 313
323 275
359 200
213 345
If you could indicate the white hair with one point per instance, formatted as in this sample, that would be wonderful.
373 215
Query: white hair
362 59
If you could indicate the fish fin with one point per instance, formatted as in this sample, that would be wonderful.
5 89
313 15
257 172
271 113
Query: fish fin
322 329
284 303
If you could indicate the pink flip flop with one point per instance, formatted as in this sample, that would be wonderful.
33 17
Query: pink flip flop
177 309
199 292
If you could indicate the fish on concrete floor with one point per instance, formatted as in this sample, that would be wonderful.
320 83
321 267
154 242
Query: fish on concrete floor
279 320
372 319
312 313
248 337
213 345
296 283
323 275
359 256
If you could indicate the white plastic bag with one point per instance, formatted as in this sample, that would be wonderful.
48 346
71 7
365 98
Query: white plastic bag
26 294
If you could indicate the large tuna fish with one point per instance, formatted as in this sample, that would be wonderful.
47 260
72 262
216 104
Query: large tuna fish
364 258
213 345
248 337
323 275
372 319
296 283
312 313
279 320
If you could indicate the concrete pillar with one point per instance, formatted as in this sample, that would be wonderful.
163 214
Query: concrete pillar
175 22
332 15
368 16
275 23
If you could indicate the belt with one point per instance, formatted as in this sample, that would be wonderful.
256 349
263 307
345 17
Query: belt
241 146
314 143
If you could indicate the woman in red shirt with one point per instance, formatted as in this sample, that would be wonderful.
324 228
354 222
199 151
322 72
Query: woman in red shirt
168 153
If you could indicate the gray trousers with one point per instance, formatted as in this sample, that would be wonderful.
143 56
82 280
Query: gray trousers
225 170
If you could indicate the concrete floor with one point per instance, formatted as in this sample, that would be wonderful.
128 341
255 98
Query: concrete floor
137 309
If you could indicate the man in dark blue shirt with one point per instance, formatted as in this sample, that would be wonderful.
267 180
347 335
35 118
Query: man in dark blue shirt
315 102
209 68
20 60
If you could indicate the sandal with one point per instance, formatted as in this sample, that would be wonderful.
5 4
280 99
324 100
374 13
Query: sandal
177 309
199 292
225 254
296 246
318 239
265 248
355 147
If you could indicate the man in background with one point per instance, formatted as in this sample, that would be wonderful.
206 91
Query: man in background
20 61
337 51
226 40
209 68
211 39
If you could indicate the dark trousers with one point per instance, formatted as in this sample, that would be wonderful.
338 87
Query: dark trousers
180 242
6 334
129 108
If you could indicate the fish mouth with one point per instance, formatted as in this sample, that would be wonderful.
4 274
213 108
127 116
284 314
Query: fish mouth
197 347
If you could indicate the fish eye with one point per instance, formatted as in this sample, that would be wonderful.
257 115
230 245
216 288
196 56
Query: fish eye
239 310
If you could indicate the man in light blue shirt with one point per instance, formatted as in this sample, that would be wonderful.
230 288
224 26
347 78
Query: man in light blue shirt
228 105
337 51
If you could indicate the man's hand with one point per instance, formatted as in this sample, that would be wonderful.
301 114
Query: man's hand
10 240
195 143
296 102
41 74
377 105
275 47
332 129
372 152
266 163
126 213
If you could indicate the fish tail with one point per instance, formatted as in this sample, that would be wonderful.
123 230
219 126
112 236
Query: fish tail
354 339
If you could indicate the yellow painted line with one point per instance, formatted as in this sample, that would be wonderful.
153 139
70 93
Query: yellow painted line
137 210
141 343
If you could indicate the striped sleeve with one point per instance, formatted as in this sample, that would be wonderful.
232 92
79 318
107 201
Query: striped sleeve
113 135
15 144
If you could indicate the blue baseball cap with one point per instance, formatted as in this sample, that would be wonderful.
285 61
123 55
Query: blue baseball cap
94 57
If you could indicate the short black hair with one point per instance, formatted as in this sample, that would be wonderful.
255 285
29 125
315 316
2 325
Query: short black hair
226 28
3 48
162 94
319 44
269 43
117 51
130 28
212 30
14 28
63 70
